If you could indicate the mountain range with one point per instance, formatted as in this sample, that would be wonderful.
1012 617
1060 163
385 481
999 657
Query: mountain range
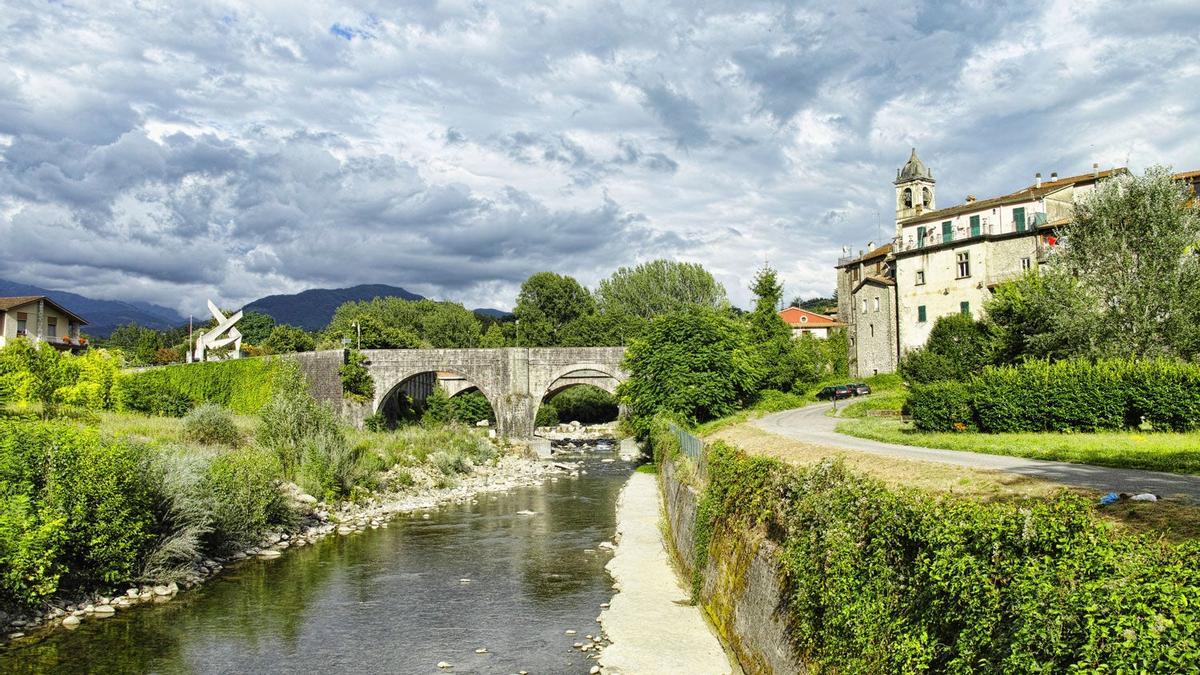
103 316
311 309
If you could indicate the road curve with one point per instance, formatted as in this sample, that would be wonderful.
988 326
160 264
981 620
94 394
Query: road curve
813 425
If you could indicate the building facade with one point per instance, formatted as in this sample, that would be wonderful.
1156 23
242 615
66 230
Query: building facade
40 319
946 261
804 322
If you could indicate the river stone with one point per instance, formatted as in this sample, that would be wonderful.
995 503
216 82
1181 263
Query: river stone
162 590
569 632
594 670
89 609
444 665
71 622
104 611
269 553
481 650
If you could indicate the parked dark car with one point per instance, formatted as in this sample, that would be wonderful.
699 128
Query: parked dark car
859 389
834 393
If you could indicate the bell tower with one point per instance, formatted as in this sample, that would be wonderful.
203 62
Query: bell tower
914 190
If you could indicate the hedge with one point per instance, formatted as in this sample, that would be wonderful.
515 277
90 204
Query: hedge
1071 395
883 580
242 385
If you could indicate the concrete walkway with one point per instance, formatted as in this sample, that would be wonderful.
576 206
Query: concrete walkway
812 424
652 628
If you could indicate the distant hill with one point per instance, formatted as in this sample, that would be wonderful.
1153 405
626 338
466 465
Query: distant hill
493 313
313 309
102 315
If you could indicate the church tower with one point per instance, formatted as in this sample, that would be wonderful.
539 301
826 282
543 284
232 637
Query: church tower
914 190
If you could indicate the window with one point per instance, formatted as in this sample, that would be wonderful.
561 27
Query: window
920 236
877 303
51 326
965 308
975 231
872 327
22 323
921 313
920 278
908 198
1019 218
964 264
928 197
1026 263
947 232
864 305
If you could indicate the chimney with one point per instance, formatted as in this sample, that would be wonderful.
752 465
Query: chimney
1053 176
1095 169
970 199
1038 176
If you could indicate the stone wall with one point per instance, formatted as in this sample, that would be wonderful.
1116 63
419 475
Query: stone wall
322 370
740 591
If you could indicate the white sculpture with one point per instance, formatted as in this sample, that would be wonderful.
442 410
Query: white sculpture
213 339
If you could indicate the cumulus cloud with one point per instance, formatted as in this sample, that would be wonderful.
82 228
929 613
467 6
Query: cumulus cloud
176 153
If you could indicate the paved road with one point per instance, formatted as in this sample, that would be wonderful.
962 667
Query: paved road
813 425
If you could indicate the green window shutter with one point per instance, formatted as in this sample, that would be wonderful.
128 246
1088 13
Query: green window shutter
921 313
1019 218
947 233
920 236
974 226
965 308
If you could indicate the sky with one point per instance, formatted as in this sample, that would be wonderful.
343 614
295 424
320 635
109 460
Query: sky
174 152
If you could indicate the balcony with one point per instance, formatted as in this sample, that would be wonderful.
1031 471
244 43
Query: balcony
935 236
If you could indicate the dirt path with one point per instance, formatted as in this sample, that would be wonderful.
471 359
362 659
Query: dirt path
812 424
652 627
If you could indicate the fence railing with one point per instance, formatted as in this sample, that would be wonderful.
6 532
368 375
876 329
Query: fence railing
691 446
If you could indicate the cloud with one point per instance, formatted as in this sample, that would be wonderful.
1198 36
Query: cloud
455 148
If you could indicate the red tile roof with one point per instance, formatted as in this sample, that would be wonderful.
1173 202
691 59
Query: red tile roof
802 318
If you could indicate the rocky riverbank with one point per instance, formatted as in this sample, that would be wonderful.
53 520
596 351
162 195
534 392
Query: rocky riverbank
426 489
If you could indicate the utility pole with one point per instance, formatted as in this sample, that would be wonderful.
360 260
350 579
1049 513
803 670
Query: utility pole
189 349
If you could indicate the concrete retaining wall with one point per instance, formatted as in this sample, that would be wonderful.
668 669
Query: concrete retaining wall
740 590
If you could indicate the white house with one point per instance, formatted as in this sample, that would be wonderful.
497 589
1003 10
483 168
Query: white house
40 319
804 322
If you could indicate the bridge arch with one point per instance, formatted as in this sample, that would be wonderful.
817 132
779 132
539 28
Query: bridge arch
419 385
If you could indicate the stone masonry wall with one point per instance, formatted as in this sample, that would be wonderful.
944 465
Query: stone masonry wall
740 591
322 370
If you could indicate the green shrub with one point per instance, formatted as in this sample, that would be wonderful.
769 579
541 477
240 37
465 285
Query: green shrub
547 416
76 508
242 385
585 404
471 407
211 424
357 384
770 400
941 406
244 500
150 396
880 580
289 422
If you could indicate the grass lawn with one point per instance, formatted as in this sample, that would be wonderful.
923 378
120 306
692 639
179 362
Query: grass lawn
1171 452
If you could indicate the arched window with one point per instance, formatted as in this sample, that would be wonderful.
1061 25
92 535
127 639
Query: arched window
908 198
927 196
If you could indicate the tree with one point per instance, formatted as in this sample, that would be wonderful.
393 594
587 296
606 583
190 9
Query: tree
770 335
450 325
285 339
493 338
694 364
601 330
1044 315
546 303
659 287
33 373
1133 242
958 346
438 408
255 327
357 384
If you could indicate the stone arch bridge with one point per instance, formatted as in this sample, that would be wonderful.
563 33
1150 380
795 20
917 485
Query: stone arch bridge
514 380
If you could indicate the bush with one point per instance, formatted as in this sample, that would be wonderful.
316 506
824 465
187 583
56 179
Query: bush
586 404
357 384
770 400
242 385
471 407
941 406
150 396
75 508
211 424
289 422
244 500
881 580
547 416
1075 395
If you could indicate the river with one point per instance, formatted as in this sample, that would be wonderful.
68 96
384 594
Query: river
390 600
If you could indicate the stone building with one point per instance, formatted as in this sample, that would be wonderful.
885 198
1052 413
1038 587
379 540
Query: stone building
866 291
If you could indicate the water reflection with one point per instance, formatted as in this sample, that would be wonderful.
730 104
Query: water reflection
388 600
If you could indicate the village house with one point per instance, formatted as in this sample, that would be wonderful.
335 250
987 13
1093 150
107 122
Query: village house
804 322
40 319
949 260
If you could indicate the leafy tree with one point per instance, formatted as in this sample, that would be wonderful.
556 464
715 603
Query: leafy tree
1044 315
450 325
659 287
255 327
771 336
32 373
601 330
471 407
546 303
285 339
493 338
1133 242
958 346
438 408
395 323
694 364
356 379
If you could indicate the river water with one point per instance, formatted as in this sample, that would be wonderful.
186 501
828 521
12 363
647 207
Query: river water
390 600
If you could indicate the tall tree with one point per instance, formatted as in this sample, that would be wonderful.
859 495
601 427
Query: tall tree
546 303
1133 242
770 336
659 287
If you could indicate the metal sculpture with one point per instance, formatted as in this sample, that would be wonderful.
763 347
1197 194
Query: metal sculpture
222 335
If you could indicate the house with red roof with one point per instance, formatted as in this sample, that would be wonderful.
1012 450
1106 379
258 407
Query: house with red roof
804 322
